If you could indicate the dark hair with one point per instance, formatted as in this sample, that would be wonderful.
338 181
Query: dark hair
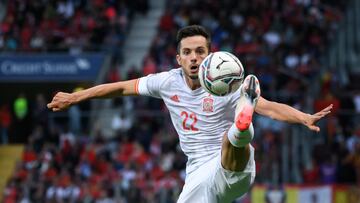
192 30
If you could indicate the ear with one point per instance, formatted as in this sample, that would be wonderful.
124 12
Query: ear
178 59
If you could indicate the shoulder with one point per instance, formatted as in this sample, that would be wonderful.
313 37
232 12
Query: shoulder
175 73
170 76
162 79
166 74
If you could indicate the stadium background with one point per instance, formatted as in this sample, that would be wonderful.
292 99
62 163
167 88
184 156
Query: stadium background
305 53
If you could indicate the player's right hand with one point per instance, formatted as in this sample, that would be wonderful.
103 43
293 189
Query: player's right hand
61 101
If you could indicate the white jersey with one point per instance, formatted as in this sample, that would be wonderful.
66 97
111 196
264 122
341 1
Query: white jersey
199 118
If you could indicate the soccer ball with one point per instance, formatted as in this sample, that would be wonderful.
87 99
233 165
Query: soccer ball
221 73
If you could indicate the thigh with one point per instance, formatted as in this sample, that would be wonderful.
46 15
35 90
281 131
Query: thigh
229 185
211 183
196 184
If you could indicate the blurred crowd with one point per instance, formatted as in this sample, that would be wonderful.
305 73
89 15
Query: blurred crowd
280 41
72 26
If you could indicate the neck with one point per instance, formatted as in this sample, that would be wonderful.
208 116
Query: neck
192 83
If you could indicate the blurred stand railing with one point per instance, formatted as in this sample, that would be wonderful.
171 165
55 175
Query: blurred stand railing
343 54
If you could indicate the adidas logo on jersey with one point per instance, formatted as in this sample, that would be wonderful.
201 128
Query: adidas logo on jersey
175 98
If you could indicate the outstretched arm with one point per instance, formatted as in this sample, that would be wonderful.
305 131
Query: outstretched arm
63 100
283 112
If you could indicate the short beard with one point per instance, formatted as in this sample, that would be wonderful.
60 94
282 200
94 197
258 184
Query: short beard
194 77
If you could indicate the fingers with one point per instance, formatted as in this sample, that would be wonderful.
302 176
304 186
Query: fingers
59 102
317 116
327 109
321 114
314 128
56 109
50 105
53 107
324 111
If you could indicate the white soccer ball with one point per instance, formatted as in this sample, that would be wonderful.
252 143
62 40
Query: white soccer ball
221 73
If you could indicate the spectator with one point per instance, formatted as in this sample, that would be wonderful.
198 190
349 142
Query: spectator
40 114
5 122
21 107
328 170
356 100
290 34
121 123
75 117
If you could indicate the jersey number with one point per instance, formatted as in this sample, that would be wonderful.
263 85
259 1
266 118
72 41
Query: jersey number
192 117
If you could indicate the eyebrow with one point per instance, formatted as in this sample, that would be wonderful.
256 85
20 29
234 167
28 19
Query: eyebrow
200 47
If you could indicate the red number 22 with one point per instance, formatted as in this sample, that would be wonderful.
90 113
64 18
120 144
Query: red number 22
192 117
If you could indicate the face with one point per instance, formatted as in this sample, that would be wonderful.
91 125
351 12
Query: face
193 51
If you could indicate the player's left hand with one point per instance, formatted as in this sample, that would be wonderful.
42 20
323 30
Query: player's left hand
312 119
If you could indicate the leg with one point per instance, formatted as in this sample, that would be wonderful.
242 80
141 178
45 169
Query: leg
235 151
234 158
211 183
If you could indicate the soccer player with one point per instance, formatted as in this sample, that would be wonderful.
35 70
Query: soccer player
221 165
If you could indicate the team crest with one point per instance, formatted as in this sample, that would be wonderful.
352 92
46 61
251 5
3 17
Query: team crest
208 104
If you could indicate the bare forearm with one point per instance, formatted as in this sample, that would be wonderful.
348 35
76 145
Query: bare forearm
283 112
101 91
279 111
63 100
